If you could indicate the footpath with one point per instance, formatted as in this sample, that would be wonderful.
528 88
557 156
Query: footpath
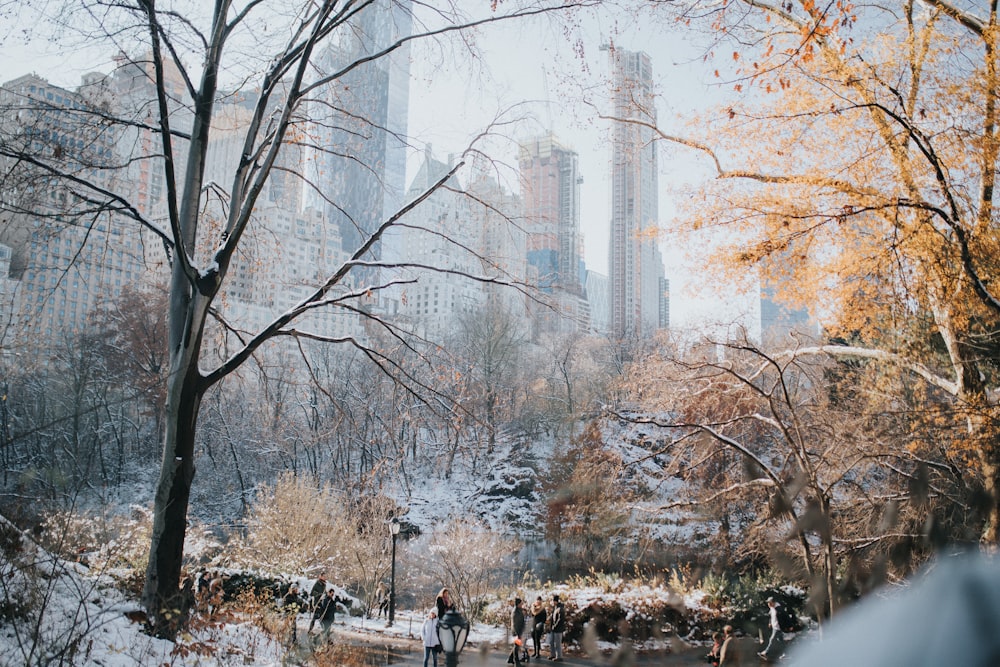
409 653
476 657
497 659
382 646
487 657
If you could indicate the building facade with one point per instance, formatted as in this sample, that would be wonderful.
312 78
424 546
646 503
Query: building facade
600 303
463 249
635 264
359 125
70 248
550 190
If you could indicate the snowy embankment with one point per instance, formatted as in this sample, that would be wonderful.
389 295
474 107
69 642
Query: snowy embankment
65 612
61 612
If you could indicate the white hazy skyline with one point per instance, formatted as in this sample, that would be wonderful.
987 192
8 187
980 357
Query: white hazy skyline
537 72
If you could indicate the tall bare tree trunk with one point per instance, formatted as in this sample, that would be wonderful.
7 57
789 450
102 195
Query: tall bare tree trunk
163 597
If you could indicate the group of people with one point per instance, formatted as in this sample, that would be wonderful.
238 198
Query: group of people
322 602
543 620
536 621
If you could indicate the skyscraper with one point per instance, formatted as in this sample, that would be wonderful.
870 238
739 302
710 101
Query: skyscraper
131 90
634 261
550 190
664 303
463 232
437 233
597 297
358 164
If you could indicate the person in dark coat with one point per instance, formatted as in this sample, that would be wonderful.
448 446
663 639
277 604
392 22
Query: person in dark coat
517 624
713 655
728 655
558 628
326 612
382 598
291 604
316 595
539 615
443 603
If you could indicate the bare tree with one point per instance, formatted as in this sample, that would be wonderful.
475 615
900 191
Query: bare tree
491 343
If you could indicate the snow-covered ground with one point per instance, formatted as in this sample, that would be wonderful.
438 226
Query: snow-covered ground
61 612
80 617
77 616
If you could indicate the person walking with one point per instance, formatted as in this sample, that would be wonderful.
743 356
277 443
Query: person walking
429 633
316 595
382 598
775 640
538 615
558 628
517 623
326 612
291 604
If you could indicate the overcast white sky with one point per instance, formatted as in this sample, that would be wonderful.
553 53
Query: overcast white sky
534 69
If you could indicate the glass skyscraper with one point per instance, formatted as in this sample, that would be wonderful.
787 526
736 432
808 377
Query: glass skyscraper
359 122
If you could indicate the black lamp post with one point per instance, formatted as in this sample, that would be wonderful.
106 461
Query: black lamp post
394 531
452 631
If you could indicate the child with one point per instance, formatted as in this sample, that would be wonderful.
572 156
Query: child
713 655
429 632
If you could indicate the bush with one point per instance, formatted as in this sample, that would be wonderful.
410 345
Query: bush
641 609
641 620
742 599
471 558
99 540
299 527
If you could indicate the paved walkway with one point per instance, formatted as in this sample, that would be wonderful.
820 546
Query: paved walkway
474 658
407 652
411 655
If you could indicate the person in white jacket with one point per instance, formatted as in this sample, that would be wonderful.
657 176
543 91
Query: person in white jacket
429 633
774 642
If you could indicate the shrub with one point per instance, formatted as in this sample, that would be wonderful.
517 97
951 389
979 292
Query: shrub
741 599
470 557
98 540
296 526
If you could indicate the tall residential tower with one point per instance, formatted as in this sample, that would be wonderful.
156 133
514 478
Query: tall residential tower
634 262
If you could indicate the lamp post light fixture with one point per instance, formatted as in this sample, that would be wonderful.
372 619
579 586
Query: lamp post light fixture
394 531
453 630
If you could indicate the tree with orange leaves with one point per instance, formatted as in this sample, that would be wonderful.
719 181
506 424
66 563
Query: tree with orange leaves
856 164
